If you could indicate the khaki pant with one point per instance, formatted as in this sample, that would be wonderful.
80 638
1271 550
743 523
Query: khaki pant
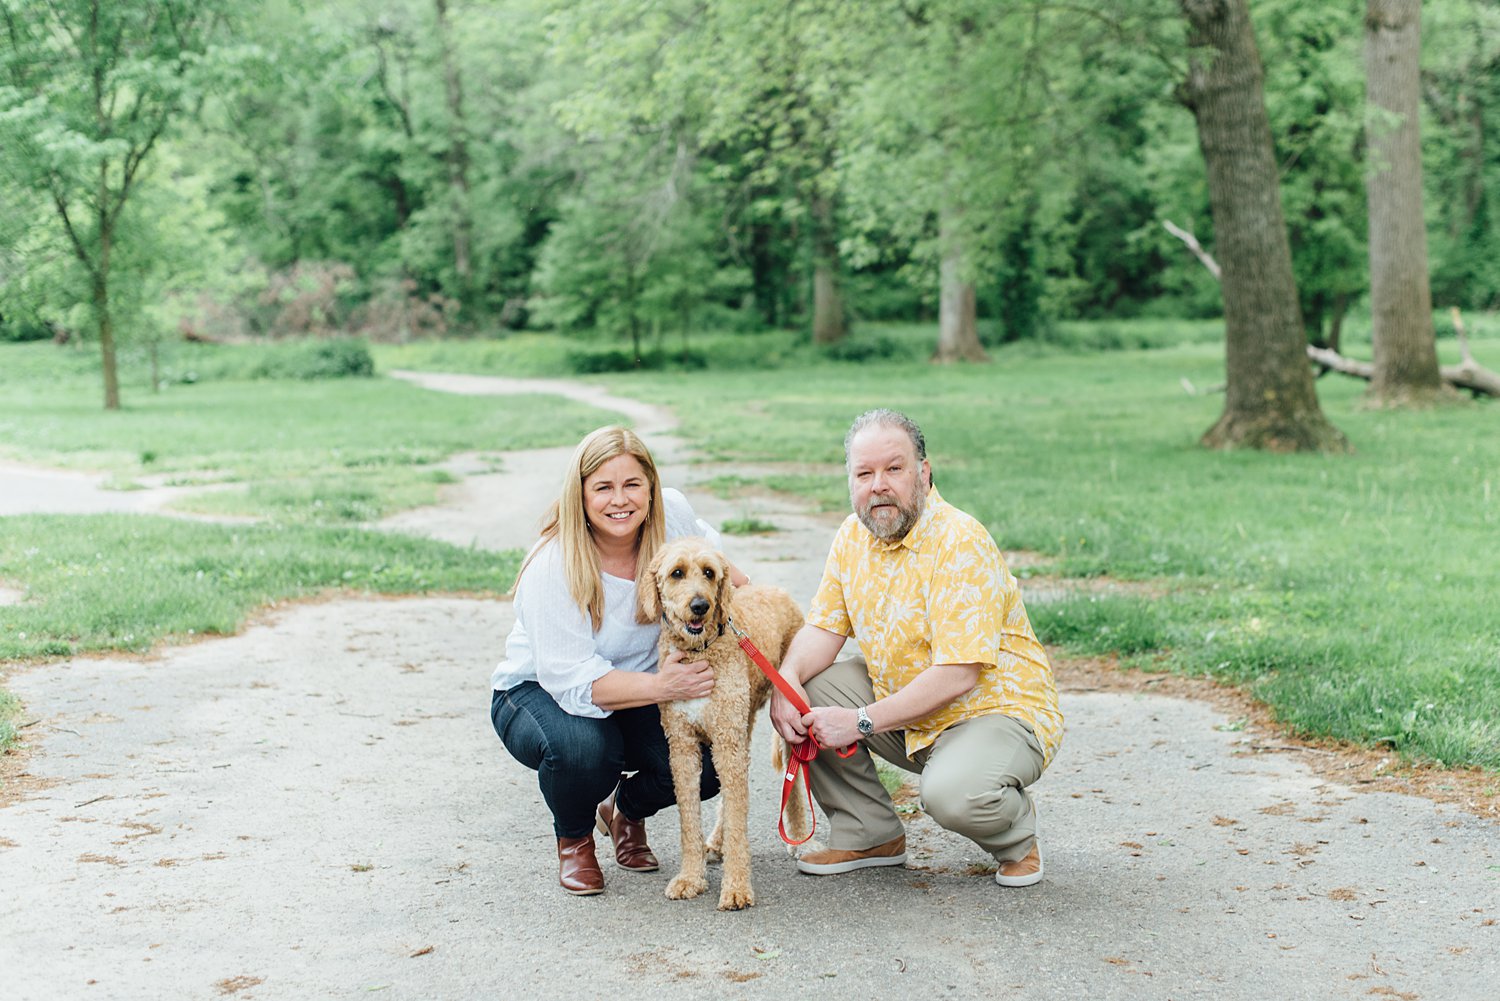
973 777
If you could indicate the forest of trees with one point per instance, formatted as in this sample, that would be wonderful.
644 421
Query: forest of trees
407 168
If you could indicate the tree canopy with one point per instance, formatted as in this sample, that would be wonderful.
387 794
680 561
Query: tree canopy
421 167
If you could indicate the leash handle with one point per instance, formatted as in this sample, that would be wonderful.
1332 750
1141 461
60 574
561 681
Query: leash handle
797 765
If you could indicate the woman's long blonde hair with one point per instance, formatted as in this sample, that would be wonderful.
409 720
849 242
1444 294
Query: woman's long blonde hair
568 523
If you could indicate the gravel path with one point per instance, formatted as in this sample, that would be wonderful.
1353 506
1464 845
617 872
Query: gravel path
317 808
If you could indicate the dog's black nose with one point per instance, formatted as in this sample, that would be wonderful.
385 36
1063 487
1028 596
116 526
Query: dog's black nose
698 606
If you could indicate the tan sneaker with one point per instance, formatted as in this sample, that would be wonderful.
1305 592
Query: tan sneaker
1022 872
831 861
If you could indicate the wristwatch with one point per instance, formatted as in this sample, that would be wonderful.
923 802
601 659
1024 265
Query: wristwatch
866 727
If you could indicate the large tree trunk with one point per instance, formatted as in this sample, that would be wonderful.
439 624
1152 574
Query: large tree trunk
1270 401
458 154
958 331
99 273
1406 365
828 298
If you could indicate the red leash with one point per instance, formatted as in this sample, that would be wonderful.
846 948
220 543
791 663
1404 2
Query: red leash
800 754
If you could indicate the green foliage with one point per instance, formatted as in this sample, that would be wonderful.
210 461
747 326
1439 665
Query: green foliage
87 92
334 358
1460 112
1315 100
24 328
869 346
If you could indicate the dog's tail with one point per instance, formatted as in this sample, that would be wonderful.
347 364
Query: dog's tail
796 821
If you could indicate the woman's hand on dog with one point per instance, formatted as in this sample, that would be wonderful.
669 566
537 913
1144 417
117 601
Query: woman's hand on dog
681 679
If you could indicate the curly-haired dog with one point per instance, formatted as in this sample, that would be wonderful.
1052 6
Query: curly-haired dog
689 588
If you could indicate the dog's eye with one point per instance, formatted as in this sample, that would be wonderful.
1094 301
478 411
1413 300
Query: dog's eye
676 574
708 572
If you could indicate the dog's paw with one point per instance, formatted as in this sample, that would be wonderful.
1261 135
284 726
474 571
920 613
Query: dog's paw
686 887
713 853
736 899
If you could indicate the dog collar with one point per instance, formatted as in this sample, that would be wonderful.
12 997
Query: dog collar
706 643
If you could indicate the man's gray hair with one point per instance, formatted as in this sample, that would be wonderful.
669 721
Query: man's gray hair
881 417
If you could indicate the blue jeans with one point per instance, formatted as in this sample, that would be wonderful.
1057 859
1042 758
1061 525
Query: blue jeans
579 760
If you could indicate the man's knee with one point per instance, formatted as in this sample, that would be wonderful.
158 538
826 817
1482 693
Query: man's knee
845 683
956 802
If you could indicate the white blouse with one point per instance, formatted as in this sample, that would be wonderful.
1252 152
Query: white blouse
553 642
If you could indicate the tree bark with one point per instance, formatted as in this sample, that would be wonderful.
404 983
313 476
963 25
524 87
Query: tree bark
828 298
1270 401
958 331
1406 365
458 154
99 273
105 322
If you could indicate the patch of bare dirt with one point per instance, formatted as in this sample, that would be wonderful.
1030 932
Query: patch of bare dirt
1361 768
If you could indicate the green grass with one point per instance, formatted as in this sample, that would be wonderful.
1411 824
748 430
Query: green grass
356 496
309 457
747 526
128 582
262 429
1352 594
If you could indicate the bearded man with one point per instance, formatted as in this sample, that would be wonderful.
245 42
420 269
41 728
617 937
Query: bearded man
951 682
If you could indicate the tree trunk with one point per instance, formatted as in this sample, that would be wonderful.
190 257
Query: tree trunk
1406 365
828 298
958 333
458 154
1270 402
106 327
100 276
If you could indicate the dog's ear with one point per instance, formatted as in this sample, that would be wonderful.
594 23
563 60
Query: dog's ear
725 585
646 591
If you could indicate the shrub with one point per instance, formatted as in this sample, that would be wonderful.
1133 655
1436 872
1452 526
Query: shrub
862 348
24 328
330 358
620 360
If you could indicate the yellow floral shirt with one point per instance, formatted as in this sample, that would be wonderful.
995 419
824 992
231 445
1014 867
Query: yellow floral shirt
942 595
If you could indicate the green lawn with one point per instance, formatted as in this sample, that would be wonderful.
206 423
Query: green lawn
315 459
1355 595
1352 594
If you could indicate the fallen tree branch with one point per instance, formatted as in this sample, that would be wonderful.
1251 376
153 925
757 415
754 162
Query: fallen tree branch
1468 376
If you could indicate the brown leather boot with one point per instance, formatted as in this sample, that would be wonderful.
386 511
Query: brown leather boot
629 836
578 869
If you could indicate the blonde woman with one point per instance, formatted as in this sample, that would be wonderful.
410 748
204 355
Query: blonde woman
576 696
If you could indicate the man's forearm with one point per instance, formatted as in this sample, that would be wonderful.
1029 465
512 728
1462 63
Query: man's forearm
928 692
811 653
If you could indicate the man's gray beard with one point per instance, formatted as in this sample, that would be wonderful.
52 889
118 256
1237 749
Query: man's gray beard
897 532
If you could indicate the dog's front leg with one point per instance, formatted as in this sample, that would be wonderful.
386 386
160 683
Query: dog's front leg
687 768
732 760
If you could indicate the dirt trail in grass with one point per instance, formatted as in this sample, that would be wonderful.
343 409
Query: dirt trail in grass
318 808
